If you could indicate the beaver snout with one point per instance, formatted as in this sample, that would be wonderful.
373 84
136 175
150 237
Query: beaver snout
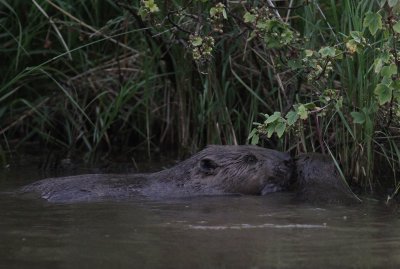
285 166
283 172
289 164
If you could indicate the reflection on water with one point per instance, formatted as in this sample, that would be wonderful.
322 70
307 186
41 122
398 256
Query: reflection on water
202 232
257 226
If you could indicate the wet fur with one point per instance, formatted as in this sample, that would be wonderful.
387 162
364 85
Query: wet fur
318 180
214 170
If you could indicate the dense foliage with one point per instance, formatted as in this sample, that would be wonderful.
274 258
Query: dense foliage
115 75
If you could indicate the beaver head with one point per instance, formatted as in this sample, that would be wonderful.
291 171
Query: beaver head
234 169
318 180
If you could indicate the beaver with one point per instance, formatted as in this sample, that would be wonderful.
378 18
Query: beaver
249 170
318 180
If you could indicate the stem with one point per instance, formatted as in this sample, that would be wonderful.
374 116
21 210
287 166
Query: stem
397 61
319 133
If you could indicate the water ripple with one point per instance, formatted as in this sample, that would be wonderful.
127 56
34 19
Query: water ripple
259 226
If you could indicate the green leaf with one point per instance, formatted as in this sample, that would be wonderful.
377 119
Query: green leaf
308 53
339 102
280 129
373 21
295 64
224 14
151 6
213 12
339 54
386 56
273 117
388 71
248 17
396 27
276 34
357 36
154 8
392 3
253 34
358 117
264 25
310 106
270 130
253 132
143 13
254 137
387 80
351 46
302 112
327 52
396 89
396 9
197 41
378 63
292 117
384 93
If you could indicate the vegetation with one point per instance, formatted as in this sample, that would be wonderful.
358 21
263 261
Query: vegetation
117 75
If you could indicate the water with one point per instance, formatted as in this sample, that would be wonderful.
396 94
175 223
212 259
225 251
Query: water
202 232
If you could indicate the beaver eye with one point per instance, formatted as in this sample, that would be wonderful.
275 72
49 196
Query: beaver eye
208 166
250 159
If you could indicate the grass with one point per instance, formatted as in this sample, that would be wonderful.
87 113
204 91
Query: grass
361 148
95 102
91 77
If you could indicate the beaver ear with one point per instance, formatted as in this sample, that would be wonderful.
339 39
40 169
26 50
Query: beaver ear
208 166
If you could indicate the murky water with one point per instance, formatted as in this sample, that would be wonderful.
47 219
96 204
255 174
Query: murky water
203 232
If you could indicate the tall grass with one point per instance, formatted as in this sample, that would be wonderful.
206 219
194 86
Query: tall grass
63 87
92 77
363 149
88 77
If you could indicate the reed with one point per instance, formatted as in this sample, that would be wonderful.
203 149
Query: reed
93 77
361 148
